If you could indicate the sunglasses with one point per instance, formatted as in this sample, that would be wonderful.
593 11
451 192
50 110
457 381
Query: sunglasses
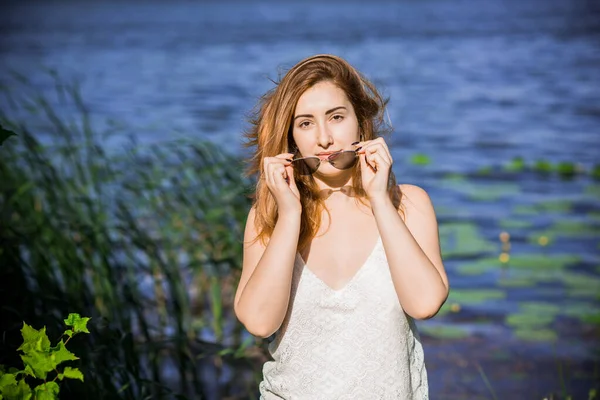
343 159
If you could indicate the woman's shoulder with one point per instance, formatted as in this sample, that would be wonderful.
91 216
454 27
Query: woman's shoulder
415 198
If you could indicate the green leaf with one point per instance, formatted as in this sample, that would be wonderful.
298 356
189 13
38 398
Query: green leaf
79 324
47 391
29 371
40 363
72 373
60 353
7 380
69 333
34 340
20 391
5 134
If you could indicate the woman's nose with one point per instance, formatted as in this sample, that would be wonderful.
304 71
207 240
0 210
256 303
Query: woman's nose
325 138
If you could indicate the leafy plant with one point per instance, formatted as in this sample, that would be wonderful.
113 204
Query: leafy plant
40 359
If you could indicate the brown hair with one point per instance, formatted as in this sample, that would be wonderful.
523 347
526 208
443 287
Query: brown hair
271 134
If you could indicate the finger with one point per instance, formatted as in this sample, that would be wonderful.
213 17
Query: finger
378 148
279 176
378 161
285 156
364 163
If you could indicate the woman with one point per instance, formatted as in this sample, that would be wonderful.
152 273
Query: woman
338 259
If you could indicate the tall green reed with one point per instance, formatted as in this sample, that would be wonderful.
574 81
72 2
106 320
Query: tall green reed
146 240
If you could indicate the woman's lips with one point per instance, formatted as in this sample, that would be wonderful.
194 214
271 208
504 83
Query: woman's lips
325 154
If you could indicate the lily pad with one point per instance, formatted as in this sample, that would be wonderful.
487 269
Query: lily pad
482 192
528 320
480 266
582 285
544 207
583 311
517 282
444 331
463 239
475 296
420 159
525 209
537 307
592 190
515 224
536 335
594 216
545 262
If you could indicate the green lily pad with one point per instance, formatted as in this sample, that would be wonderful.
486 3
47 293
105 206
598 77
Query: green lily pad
479 266
528 320
566 229
583 311
475 296
444 331
525 209
517 282
482 192
463 239
537 307
543 166
594 216
582 285
595 172
493 192
454 177
517 164
485 171
545 262
536 335
420 159
592 190
544 207
515 224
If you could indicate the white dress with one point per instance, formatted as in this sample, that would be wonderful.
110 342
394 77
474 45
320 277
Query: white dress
353 343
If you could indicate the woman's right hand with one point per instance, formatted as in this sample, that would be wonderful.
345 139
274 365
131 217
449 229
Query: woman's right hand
279 176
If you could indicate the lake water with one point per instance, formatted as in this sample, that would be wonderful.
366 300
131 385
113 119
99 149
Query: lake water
472 85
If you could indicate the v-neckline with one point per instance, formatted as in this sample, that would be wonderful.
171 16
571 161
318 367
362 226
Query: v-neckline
352 279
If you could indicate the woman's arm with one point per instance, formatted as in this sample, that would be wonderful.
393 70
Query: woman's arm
263 294
413 251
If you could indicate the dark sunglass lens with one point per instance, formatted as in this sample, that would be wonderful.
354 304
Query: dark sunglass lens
343 159
307 166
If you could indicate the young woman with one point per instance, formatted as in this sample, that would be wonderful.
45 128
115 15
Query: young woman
338 259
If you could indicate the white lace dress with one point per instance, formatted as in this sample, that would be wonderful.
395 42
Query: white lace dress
353 343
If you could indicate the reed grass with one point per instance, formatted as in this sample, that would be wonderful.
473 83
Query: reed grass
146 240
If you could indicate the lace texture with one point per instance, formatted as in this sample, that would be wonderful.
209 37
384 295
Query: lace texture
352 343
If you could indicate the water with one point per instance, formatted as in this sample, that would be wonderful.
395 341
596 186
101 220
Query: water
472 84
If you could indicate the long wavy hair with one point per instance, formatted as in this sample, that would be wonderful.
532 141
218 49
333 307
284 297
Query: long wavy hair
271 128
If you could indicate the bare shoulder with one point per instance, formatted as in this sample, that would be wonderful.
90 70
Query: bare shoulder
416 202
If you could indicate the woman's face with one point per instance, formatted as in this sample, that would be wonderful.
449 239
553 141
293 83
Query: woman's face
324 122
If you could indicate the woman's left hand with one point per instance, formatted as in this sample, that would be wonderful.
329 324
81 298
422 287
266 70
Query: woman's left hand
376 165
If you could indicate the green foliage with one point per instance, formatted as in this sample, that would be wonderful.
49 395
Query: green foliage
5 134
40 359
144 238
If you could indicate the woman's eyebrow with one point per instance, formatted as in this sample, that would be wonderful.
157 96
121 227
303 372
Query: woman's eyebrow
326 113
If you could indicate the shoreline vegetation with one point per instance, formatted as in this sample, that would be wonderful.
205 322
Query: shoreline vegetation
147 241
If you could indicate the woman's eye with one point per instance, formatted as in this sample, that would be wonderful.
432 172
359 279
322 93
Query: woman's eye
304 124
338 117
